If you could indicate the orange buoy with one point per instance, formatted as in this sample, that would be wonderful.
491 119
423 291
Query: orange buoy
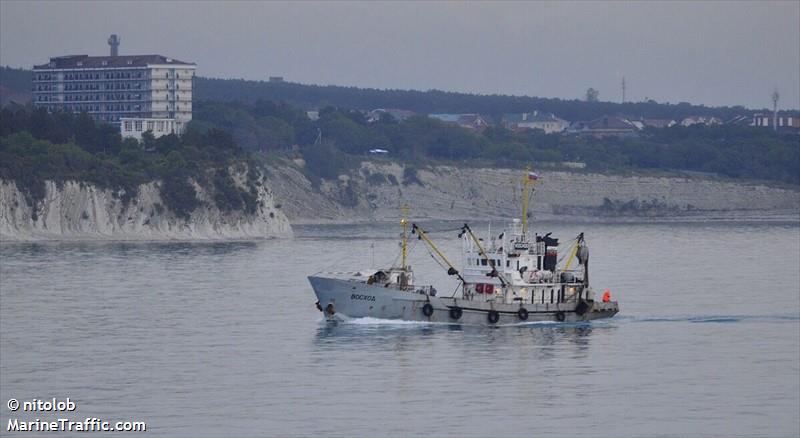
606 296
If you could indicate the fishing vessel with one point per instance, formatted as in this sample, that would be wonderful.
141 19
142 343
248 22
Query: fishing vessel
512 278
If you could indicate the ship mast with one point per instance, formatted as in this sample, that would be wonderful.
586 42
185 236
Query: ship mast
404 223
527 181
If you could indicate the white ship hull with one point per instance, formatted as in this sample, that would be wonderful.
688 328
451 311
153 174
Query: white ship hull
354 299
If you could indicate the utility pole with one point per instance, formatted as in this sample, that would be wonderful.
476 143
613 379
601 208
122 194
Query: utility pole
623 89
775 97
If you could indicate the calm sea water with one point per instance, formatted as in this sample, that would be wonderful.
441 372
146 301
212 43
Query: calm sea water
222 339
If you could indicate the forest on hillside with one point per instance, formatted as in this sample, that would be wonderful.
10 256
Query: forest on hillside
18 81
36 147
342 136
238 120
436 101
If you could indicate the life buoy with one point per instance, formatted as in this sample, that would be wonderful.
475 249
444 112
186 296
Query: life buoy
427 309
561 316
493 316
330 310
522 313
455 313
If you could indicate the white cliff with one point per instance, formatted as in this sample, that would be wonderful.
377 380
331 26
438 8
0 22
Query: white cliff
80 211
376 189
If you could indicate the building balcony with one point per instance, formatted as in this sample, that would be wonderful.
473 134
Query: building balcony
72 81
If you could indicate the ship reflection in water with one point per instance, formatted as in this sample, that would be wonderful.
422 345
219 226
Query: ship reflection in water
539 341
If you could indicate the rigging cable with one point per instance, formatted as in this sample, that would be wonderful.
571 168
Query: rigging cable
563 256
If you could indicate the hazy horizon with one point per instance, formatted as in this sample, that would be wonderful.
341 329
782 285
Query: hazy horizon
712 53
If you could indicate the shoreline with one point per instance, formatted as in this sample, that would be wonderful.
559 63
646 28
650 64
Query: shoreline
766 218
79 213
94 239
775 217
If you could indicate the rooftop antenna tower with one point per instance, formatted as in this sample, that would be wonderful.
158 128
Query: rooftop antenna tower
113 41
623 89
775 97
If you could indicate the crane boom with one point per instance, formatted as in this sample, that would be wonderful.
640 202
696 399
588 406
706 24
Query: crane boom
424 236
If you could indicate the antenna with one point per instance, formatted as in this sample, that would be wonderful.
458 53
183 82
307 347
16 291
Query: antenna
113 41
775 98
623 89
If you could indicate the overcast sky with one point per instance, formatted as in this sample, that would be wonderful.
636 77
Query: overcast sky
713 53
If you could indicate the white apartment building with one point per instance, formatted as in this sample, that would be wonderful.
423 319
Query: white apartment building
135 88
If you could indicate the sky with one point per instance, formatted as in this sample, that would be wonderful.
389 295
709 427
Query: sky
713 52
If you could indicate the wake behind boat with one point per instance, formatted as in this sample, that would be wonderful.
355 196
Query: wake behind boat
512 278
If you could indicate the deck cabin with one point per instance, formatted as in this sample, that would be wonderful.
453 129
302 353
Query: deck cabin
518 269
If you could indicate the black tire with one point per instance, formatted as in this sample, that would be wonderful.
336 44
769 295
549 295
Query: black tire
522 313
493 316
427 309
560 316
455 313
330 310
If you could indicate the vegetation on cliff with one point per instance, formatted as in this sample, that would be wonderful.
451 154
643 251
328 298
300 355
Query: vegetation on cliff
258 118
36 146
329 145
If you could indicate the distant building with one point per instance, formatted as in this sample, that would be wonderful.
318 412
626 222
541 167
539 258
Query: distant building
472 122
276 78
701 120
312 115
784 120
544 121
607 126
136 88
658 123
397 115
740 120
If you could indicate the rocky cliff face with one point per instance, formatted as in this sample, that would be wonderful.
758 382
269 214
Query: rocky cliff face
75 210
375 190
